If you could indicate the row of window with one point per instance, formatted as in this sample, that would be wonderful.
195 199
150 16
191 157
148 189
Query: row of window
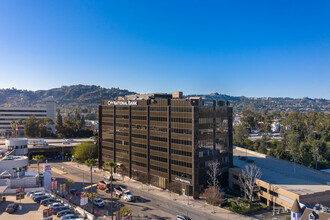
178 173
139 117
161 169
181 163
161 149
122 116
122 142
159 109
181 120
118 150
181 152
161 139
139 136
156 158
139 154
107 148
181 109
181 131
139 164
120 133
122 125
183 142
158 118
139 145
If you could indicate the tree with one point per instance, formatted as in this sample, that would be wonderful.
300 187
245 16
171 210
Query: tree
38 159
112 166
248 119
305 155
214 173
125 211
31 127
59 124
213 195
247 179
241 132
319 149
13 126
86 150
91 162
44 129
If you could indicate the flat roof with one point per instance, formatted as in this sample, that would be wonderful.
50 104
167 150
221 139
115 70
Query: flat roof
281 173
52 142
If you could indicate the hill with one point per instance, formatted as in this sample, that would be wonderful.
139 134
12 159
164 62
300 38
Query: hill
89 96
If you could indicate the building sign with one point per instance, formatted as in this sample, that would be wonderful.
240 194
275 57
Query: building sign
54 185
182 180
19 194
83 200
207 103
47 214
122 102
62 188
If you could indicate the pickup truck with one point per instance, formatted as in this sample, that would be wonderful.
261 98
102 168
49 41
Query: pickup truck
119 191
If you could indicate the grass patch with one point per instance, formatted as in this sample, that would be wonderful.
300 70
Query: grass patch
242 207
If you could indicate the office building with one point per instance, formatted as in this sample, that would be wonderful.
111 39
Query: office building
9 114
164 139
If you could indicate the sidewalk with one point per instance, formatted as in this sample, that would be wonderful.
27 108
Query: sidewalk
197 204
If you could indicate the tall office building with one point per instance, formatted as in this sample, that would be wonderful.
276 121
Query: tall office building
163 138
9 114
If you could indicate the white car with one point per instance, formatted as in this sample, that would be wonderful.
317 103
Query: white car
127 196
69 140
98 202
71 216
37 194
32 192
107 177
54 205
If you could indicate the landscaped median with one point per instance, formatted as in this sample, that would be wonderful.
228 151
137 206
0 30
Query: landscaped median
241 206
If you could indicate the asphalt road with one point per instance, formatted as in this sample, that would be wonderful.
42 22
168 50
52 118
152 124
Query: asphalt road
146 204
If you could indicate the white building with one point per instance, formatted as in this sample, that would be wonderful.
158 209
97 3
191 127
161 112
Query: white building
8 115
19 146
14 165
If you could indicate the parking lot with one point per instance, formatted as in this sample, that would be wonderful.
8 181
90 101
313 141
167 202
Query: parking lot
30 209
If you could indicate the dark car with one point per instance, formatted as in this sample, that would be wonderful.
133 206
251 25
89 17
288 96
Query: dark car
74 192
61 208
64 212
48 201
242 158
250 161
11 207
39 198
182 217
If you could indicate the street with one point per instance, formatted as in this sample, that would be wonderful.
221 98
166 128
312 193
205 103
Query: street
145 206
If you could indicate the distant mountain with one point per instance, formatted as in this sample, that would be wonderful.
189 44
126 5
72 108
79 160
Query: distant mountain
90 96
67 97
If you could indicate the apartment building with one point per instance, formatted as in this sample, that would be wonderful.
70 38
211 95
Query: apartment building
163 138
9 114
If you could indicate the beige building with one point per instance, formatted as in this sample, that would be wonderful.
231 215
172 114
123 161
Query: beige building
282 182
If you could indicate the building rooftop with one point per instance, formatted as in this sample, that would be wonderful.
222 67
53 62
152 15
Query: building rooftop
281 173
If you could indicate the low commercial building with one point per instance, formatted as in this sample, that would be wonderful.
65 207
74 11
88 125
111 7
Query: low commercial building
14 165
283 182
18 146
9 114
164 138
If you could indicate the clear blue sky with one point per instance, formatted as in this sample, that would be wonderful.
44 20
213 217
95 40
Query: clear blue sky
251 48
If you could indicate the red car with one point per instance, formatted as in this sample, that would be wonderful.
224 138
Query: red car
74 192
242 158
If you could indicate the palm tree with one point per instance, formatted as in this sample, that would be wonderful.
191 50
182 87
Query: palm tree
91 162
112 166
38 158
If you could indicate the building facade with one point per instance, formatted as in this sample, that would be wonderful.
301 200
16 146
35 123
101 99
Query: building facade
160 139
8 115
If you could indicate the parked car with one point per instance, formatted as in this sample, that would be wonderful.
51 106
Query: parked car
48 201
54 205
37 194
11 207
69 140
250 161
65 142
107 177
61 208
71 216
32 192
65 212
182 217
74 192
39 198
98 202
92 138
127 196
242 158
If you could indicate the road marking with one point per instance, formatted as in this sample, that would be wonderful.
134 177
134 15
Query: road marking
87 187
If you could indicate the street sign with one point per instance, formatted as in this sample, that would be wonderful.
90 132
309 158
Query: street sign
47 214
83 200
54 185
19 194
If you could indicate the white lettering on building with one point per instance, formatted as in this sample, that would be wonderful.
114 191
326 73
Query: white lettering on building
182 180
122 102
